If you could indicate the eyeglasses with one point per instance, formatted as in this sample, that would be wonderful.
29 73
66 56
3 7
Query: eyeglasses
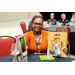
40 24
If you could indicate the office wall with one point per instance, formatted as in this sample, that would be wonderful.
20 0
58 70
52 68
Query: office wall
31 14
7 16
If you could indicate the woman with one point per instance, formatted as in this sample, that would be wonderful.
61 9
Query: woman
37 39
30 23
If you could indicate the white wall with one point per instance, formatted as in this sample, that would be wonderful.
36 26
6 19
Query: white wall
7 16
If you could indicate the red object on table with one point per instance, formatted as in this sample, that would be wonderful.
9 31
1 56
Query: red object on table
23 26
65 30
5 45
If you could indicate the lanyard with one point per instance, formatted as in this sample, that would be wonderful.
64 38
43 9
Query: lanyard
37 44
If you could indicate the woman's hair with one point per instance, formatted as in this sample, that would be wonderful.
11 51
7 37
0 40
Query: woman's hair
37 16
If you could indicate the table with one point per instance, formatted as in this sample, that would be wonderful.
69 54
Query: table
72 27
71 37
35 58
6 59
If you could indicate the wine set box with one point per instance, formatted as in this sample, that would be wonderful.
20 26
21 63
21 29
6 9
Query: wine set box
57 41
19 50
19 57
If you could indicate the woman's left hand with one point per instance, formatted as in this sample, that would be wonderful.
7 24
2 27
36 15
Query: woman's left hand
65 50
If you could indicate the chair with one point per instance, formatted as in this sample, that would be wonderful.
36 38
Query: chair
23 26
31 28
5 45
68 32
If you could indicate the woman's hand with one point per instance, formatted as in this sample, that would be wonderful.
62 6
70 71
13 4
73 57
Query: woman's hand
26 40
18 35
65 50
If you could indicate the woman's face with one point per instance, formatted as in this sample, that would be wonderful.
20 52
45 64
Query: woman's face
37 25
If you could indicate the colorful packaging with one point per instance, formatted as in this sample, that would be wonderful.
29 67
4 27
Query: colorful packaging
57 41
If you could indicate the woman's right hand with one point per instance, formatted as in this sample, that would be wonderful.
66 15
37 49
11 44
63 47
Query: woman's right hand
26 40
18 35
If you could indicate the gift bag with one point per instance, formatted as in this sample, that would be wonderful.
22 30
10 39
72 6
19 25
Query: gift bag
56 43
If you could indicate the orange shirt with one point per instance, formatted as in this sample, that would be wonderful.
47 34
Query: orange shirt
32 43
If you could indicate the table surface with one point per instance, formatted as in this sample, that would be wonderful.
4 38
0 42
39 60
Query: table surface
53 28
35 58
6 59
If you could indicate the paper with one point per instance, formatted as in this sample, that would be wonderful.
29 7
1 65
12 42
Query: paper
55 25
46 57
74 26
73 61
